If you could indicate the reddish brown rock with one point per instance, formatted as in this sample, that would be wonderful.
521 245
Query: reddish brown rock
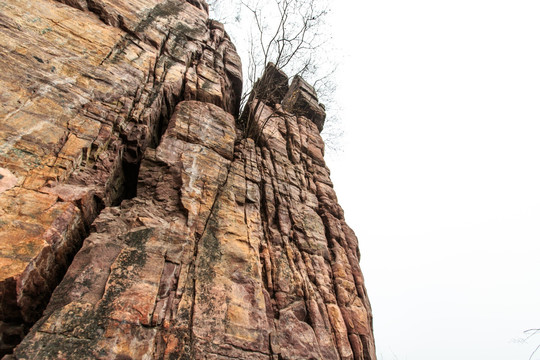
128 192
301 99
87 88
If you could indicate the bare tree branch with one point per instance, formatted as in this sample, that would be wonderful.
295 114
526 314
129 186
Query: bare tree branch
290 34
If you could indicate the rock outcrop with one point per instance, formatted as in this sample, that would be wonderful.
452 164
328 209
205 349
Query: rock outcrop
137 221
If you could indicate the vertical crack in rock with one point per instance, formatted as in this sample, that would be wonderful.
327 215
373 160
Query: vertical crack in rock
205 252
103 128
128 193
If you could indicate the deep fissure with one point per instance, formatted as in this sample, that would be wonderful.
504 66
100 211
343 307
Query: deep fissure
13 325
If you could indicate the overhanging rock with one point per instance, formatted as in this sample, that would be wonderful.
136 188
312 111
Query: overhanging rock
301 99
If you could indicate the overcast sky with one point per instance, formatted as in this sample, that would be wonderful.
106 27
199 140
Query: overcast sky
440 171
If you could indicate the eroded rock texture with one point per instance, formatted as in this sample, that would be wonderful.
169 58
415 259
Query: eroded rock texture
121 162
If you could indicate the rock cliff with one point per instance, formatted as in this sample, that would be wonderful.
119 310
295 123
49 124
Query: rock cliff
138 221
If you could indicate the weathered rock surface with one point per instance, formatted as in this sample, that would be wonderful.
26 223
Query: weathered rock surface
84 93
121 162
301 99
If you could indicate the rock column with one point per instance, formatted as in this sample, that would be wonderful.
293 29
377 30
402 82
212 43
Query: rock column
139 220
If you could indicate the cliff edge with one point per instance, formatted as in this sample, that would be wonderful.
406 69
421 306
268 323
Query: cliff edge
138 220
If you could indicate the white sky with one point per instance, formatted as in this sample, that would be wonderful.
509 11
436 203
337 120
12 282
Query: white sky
440 173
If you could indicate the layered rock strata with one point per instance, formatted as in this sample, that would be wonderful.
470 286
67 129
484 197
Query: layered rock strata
86 88
122 162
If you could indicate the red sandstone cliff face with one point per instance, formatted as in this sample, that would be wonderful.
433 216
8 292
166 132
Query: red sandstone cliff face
122 164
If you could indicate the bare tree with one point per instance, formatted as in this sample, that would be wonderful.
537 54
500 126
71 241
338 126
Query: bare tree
284 37
524 340
286 33
530 333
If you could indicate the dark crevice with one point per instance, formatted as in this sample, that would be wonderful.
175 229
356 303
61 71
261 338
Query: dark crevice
131 176
161 126
267 273
198 4
139 138
12 326
17 318
22 308
96 7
